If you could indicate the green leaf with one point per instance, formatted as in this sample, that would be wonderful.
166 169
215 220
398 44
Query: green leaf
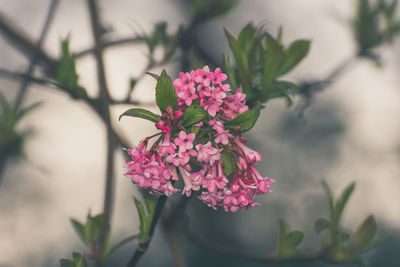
66 74
241 61
364 234
329 195
165 93
230 73
342 201
288 241
141 113
272 58
295 238
79 229
246 120
78 260
321 224
294 54
229 163
283 89
141 213
193 114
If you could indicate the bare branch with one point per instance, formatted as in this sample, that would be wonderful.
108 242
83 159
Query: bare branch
26 46
105 44
50 14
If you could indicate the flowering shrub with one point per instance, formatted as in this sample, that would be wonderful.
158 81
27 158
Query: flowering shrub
200 141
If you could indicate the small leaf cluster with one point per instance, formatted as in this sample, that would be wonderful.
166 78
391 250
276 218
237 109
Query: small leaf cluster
288 241
159 37
11 139
375 24
95 234
340 245
66 74
260 59
78 260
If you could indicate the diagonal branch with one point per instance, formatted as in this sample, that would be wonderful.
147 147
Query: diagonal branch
92 103
24 84
105 44
16 38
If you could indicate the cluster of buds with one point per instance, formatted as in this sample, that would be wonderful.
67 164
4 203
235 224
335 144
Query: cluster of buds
209 157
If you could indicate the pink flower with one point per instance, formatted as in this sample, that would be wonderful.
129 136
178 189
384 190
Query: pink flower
223 137
178 159
203 76
250 154
210 199
211 106
173 152
218 76
207 153
190 184
184 141
167 147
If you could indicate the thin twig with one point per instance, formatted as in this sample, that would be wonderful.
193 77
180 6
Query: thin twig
27 47
105 44
123 242
50 14
142 247
104 100
240 253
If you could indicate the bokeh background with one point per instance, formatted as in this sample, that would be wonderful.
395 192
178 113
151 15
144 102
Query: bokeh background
350 132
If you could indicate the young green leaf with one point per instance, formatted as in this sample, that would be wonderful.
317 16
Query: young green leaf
78 260
66 73
230 73
282 89
288 241
193 114
165 93
144 221
246 120
329 195
141 113
322 224
364 234
79 229
241 60
272 58
228 162
342 201
294 54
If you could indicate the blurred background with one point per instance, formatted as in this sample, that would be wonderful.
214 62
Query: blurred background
347 132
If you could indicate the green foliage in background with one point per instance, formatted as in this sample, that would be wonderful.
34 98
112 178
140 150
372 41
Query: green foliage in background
260 59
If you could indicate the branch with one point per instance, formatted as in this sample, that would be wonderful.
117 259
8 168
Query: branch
105 44
104 100
212 246
35 57
142 247
16 38
92 103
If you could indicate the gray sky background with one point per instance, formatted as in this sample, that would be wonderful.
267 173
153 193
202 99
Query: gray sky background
350 133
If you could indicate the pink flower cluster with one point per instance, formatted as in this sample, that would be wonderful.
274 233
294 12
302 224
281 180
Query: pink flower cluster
199 154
